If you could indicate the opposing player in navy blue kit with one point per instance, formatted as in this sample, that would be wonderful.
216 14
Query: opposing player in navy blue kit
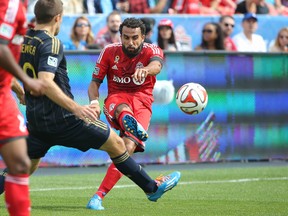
56 119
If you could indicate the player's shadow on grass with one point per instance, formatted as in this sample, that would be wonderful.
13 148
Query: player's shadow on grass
55 208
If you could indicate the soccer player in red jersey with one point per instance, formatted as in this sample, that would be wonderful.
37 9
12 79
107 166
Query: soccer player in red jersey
13 132
131 68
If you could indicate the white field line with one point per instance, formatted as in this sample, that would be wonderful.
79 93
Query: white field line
180 183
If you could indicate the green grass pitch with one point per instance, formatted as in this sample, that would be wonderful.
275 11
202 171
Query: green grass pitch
204 189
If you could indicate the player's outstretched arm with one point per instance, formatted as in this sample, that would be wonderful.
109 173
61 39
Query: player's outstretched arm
93 94
93 90
152 69
59 97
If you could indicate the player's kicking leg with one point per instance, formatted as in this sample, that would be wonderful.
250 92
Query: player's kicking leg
112 176
164 183
133 135
154 189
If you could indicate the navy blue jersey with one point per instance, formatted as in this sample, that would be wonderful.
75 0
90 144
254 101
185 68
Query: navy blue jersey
44 52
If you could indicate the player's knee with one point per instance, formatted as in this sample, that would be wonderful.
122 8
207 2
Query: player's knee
121 108
21 166
114 146
130 146
118 143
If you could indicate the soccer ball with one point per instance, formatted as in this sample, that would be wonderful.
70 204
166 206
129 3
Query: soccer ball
192 98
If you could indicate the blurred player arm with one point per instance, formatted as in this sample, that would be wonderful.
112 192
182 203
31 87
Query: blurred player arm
8 63
19 91
54 93
93 94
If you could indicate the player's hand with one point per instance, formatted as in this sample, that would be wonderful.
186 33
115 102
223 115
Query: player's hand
140 74
35 86
96 107
21 98
19 91
86 113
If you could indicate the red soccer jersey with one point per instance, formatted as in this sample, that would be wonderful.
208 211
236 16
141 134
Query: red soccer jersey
119 68
229 44
12 28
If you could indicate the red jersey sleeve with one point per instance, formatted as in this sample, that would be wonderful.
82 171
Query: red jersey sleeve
155 52
22 22
12 20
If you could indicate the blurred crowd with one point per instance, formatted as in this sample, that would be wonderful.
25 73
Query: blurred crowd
200 7
214 35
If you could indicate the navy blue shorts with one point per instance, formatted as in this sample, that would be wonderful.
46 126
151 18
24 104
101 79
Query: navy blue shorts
77 134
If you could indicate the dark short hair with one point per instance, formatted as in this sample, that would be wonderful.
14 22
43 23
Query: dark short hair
149 23
133 22
45 10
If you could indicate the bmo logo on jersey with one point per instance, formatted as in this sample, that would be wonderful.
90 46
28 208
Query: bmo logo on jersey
127 80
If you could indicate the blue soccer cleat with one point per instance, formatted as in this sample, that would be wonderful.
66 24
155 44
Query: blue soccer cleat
95 203
134 127
164 183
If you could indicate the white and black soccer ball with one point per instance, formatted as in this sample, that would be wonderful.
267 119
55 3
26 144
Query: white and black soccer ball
192 98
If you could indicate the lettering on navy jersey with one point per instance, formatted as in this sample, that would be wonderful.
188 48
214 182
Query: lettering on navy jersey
27 48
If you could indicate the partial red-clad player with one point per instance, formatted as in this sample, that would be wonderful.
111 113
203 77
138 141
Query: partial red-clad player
13 132
131 68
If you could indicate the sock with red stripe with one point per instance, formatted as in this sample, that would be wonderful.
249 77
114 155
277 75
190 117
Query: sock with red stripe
111 178
17 195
